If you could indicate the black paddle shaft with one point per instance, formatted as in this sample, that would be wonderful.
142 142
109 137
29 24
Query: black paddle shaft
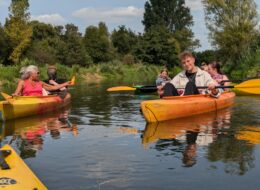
205 87
3 163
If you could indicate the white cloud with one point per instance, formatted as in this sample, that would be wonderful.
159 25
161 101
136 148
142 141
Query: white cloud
55 19
113 15
194 5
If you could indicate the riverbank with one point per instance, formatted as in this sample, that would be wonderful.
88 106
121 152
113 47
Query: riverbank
114 70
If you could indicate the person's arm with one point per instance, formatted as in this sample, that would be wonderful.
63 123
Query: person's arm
19 88
226 83
56 87
212 86
55 83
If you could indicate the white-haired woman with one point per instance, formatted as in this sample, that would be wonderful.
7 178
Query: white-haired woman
30 85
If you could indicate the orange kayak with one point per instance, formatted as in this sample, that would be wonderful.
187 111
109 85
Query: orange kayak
183 106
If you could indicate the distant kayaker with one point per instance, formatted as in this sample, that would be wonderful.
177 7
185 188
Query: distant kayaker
161 80
30 85
54 80
188 80
214 69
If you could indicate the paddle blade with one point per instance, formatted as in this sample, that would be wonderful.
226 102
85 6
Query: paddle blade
6 96
250 86
72 82
121 88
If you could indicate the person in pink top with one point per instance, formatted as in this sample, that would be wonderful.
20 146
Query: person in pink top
30 85
216 73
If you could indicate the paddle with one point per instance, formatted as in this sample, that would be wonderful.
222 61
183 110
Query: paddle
3 163
251 86
128 88
72 81
7 97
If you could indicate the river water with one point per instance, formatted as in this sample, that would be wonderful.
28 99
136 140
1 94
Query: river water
103 142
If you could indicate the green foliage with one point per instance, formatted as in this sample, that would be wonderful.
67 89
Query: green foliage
75 51
18 29
4 46
123 40
157 46
97 43
42 52
129 59
207 56
233 28
175 16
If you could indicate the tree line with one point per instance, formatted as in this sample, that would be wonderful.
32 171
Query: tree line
167 31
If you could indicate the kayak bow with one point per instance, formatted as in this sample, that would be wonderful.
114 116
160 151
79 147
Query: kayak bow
19 176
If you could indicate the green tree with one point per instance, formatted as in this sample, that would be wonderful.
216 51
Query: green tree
75 50
47 46
175 16
124 40
4 46
158 46
18 29
232 26
97 43
207 56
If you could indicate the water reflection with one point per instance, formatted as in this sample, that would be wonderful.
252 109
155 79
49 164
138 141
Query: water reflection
211 132
28 133
251 134
185 135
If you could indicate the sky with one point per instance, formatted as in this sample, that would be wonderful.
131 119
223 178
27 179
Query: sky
114 13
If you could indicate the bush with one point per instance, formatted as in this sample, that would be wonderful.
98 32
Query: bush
128 59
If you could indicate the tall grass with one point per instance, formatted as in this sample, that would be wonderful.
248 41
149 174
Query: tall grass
115 70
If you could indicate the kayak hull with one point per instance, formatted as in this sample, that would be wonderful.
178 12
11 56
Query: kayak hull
19 176
183 106
23 106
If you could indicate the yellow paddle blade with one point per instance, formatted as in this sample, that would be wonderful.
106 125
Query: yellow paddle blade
121 88
6 96
250 86
72 82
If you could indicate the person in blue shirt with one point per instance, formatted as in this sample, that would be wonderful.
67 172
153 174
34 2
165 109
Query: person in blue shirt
161 80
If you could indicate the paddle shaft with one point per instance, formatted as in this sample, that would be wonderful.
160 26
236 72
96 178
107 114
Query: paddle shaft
205 87
3 163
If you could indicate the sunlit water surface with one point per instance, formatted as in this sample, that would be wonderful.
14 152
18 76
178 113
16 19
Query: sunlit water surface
106 144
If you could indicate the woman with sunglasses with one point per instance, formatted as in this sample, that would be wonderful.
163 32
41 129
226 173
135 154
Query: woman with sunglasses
30 85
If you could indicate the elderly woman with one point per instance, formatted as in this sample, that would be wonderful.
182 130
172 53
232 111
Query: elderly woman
30 85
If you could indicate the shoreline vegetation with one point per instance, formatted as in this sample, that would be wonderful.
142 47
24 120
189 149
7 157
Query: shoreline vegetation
96 73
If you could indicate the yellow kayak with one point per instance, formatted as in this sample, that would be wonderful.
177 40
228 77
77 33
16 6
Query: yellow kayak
21 106
19 176
183 106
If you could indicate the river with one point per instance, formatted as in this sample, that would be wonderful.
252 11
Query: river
103 142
